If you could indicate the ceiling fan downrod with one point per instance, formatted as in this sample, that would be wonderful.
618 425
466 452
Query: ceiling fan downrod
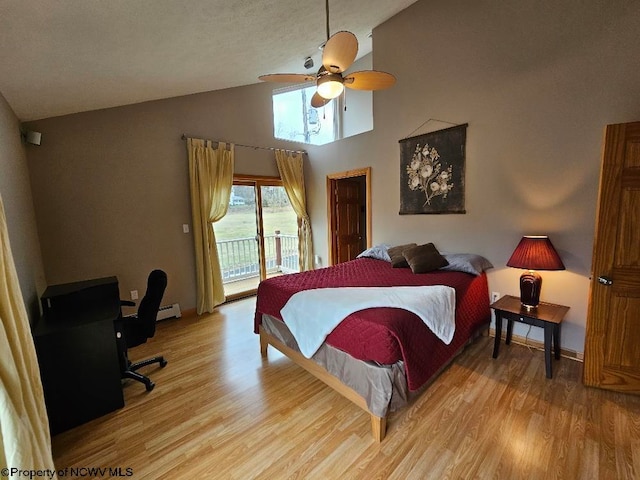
327 17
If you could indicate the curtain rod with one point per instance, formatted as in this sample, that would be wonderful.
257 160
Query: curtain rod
185 136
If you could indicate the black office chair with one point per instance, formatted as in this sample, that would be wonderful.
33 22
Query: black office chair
134 330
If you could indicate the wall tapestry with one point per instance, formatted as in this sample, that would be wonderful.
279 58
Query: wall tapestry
432 172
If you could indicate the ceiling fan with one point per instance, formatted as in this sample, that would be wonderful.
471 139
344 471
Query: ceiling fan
338 54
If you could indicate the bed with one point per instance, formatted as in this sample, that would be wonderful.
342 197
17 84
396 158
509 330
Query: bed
379 358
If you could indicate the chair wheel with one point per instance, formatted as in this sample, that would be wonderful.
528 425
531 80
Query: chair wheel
163 363
150 386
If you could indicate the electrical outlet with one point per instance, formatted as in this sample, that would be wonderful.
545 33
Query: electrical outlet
185 228
495 296
134 294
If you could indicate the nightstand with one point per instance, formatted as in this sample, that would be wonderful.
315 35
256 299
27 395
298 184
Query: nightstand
547 315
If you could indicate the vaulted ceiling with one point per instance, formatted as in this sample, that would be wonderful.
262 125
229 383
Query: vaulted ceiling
61 57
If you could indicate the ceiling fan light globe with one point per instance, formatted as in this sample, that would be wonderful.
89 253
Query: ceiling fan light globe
330 86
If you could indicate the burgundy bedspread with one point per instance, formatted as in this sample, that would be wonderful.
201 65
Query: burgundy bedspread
386 335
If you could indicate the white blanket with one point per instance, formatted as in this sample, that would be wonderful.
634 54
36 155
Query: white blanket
311 315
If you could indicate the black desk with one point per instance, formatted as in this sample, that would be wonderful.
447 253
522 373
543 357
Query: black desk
76 347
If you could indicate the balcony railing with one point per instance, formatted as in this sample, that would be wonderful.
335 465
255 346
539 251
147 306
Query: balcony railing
239 257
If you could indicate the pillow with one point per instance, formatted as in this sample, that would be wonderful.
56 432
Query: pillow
467 263
395 254
379 252
424 258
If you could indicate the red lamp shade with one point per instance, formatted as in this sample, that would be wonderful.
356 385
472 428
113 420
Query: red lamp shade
534 253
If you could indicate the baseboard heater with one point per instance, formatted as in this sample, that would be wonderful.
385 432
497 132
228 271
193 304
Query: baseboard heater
169 311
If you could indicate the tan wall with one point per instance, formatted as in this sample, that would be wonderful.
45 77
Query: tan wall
111 187
536 84
358 115
18 204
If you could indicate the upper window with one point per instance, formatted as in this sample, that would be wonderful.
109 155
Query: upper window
295 119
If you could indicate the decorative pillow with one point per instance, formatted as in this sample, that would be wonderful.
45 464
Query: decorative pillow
424 258
395 254
467 263
379 252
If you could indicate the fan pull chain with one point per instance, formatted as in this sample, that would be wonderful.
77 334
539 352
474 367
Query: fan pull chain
344 99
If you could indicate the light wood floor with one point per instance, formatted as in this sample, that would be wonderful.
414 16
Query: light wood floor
219 411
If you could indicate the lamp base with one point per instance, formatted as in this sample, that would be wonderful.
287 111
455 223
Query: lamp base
530 286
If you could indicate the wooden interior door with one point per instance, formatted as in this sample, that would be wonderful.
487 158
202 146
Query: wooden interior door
348 220
349 214
612 352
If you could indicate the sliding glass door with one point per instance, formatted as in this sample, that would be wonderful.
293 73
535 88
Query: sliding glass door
236 235
258 237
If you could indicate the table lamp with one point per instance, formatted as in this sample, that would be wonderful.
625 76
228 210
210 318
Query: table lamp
534 253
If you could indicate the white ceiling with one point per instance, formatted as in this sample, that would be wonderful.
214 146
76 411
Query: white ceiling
68 56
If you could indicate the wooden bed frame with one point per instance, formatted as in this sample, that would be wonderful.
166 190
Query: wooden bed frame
378 424
382 397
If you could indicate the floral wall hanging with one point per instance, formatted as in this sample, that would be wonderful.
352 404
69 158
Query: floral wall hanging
432 172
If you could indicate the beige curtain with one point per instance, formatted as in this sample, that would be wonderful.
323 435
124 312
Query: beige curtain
25 442
290 168
211 179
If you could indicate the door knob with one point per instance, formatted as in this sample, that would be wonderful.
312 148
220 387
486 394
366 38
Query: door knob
606 281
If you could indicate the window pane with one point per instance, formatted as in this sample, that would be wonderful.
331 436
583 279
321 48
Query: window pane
236 239
295 119
280 231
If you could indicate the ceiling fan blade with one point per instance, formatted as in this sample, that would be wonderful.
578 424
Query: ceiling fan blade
317 101
369 80
287 77
339 52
